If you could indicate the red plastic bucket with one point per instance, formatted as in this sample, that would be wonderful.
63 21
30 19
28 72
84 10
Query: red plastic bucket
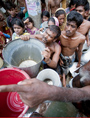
10 102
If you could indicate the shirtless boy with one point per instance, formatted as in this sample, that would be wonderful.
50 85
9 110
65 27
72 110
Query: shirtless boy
53 49
85 26
53 5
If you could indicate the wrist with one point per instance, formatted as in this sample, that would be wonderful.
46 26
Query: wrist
49 61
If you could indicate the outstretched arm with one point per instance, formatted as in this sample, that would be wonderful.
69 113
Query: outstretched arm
33 92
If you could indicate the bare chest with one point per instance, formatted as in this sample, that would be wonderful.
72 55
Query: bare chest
69 43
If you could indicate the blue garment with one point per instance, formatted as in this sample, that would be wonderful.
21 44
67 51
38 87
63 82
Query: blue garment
6 35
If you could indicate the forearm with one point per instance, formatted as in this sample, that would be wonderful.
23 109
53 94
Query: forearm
69 94
79 56
51 63
87 39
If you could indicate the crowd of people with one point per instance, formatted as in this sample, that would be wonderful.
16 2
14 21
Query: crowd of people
63 31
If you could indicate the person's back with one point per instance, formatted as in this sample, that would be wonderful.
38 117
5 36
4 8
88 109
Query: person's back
53 5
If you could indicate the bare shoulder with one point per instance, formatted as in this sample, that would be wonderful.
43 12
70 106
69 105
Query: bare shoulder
57 46
80 36
87 22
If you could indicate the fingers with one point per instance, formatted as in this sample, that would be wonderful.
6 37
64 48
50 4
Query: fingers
12 88
47 49
26 81
20 87
46 52
25 37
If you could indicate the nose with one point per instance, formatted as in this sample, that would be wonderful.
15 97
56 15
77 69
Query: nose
62 20
16 29
69 28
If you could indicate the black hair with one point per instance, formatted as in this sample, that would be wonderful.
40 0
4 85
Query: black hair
59 12
75 16
55 29
18 22
87 7
52 19
73 2
45 13
9 5
30 20
43 1
81 3
2 4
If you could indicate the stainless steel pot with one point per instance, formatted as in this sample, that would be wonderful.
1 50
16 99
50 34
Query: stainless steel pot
18 50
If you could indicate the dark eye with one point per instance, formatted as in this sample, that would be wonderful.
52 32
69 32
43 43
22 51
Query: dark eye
73 26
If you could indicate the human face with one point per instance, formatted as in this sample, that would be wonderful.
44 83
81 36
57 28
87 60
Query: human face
86 14
50 23
28 24
45 18
48 36
71 28
81 10
61 19
12 12
18 29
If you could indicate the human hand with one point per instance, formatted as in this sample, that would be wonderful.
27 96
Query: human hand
41 29
32 91
46 53
25 37
78 65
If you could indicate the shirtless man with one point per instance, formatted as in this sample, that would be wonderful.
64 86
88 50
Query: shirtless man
70 40
53 49
85 26
53 5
